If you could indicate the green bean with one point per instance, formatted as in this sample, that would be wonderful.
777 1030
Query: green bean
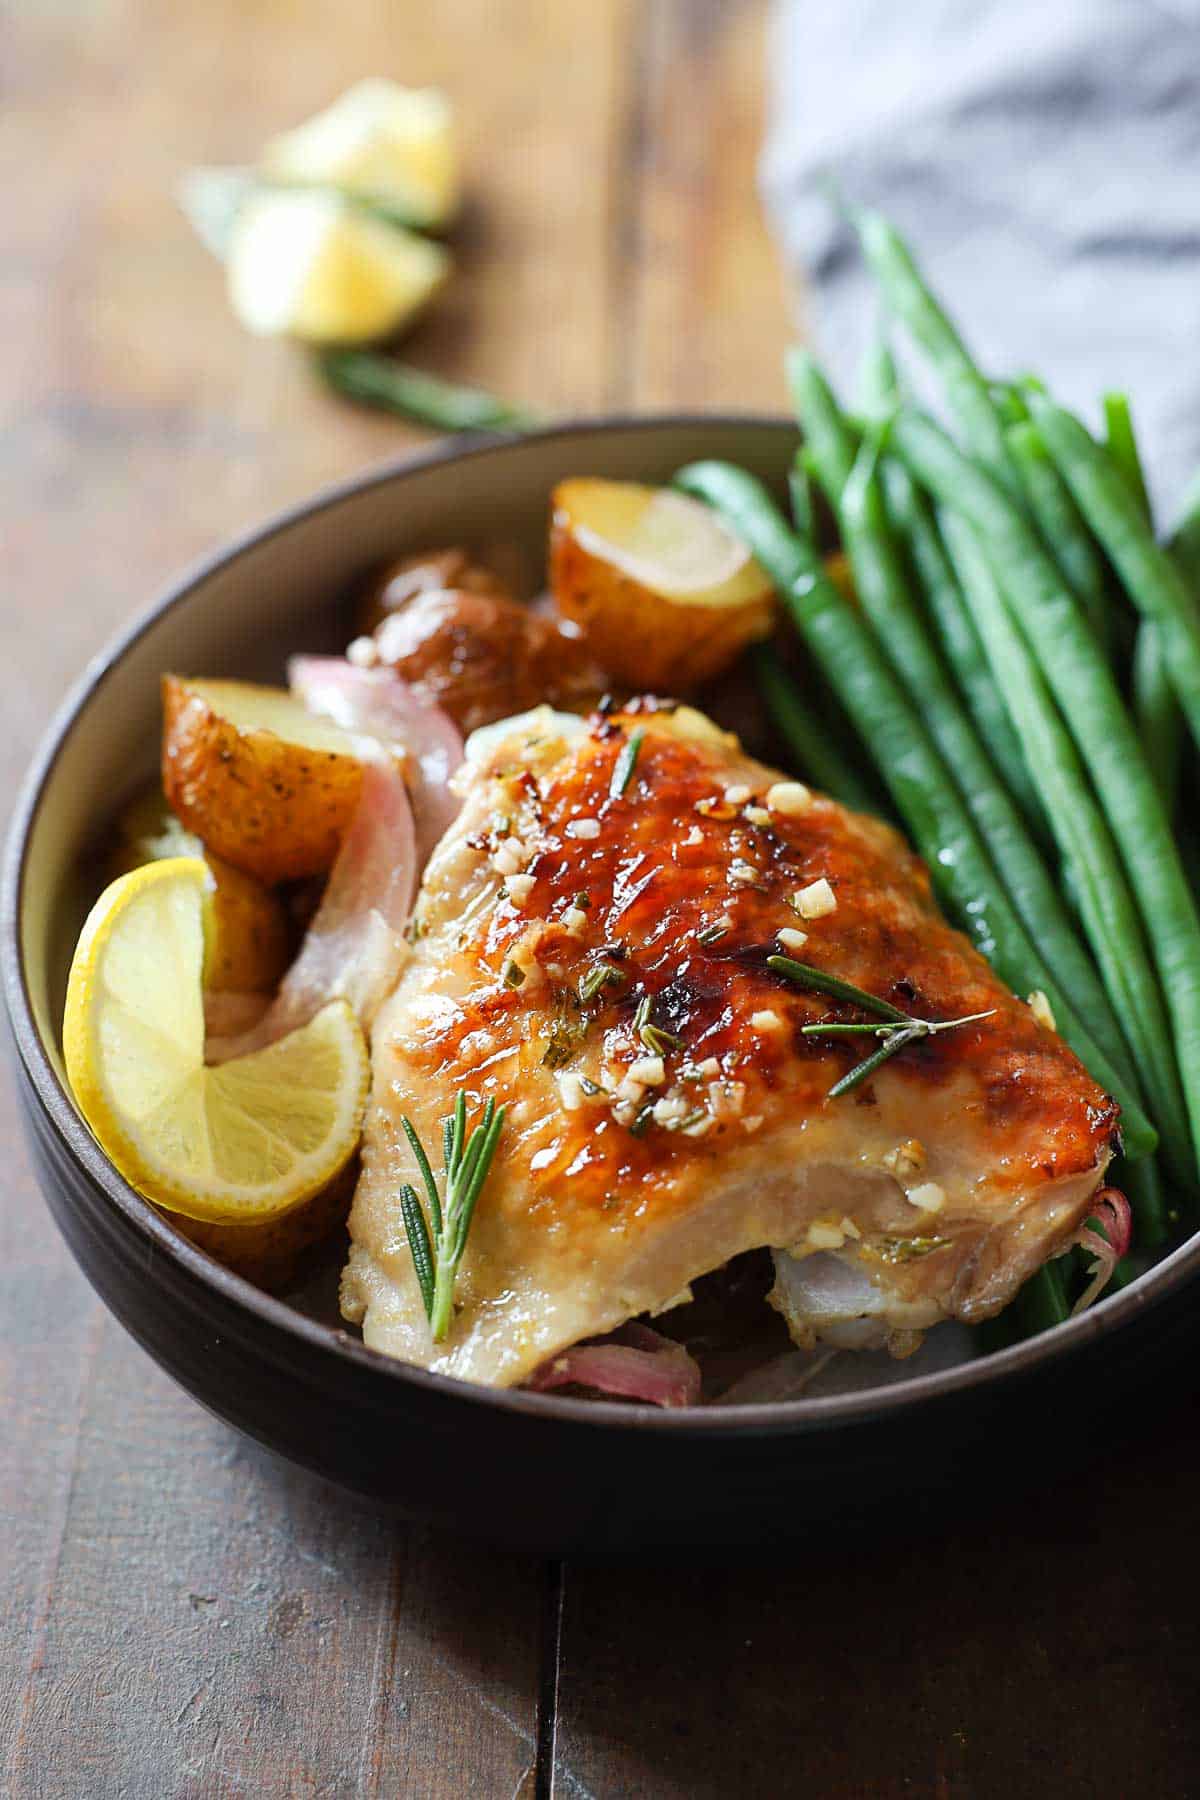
1086 691
816 752
907 760
1122 445
967 391
912 517
888 603
1156 710
396 387
1040 1303
1151 692
1150 576
831 444
1058 519
800 495
1107 907
878 379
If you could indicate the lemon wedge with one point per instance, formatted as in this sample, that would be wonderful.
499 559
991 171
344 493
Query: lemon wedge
315 266
382 142
239 1143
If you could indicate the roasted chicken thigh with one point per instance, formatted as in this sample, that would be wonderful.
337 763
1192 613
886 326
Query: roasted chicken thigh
590 948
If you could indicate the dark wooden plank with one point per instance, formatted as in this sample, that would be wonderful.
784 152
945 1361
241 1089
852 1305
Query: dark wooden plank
177 1615
1051 1646
215 1623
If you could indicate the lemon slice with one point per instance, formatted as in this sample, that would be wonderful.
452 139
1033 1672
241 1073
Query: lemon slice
381 142
239 1143
316 267
666 542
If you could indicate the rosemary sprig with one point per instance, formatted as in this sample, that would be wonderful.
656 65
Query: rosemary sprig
898 1030
625 764
603 975
654 1037
437 1244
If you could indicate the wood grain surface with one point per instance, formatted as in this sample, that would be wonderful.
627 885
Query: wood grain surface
179 1615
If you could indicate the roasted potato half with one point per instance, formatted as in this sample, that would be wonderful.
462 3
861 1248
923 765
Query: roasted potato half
665 596
262 782
249 939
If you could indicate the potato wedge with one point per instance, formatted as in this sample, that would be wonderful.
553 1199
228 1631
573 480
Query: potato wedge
249 939
263 783
665 595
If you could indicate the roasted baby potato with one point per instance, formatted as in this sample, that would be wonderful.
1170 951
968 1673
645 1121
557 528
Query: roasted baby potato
249 938
274 1254
264 783
665 596
484 656
397 584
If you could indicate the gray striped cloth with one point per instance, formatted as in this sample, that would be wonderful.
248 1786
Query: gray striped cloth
1042 156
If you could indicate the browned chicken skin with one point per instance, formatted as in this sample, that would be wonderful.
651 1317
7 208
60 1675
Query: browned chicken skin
622 1174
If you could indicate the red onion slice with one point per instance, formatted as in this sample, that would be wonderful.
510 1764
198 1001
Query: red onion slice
377 703
354 946
634 1363
1111 1209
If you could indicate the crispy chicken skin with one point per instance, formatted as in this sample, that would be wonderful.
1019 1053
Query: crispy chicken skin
612 1188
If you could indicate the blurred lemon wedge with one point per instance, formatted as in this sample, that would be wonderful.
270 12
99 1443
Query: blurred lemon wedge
239 1143
315 266
382 142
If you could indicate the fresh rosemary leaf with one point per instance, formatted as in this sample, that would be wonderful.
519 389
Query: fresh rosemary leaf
602 976
418 1243
821 983
625 764
867 1067
437 1254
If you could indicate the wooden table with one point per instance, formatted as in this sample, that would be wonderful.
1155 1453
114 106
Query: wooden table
179 1616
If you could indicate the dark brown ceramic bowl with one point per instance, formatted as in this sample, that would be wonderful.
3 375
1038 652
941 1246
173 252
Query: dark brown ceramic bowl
531 1470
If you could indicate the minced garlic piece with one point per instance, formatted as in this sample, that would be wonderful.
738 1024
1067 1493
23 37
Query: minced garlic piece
574 920
790 798
362 652
758 815
737 795
583 828
727 1098
710 1068
823 1236
791 939
570 1092
510 856
671 1110
518 888
816 900
766 1020
694 836
850 1228
752 1121
1041 1009
907 1158
929 1197
649 1070
631 1092
742 873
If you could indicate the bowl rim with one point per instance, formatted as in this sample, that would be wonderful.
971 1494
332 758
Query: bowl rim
776 1417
